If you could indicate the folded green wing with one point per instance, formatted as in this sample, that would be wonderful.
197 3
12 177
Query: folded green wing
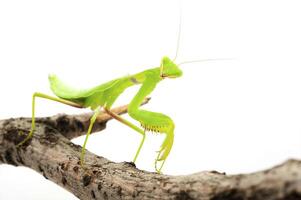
65 91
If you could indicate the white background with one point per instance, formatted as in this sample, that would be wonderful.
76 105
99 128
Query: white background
232 116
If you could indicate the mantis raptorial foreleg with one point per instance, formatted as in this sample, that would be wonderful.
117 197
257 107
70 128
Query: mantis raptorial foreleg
157 122
153 121
126 122
41 95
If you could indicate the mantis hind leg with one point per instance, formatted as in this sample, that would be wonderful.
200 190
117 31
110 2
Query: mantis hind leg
37 94
129 124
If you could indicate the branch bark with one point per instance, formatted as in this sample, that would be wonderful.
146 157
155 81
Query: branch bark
51 153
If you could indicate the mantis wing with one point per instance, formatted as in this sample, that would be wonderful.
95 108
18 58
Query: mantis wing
64 91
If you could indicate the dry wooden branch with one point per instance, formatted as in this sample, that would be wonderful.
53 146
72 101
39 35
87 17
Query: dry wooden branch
51 153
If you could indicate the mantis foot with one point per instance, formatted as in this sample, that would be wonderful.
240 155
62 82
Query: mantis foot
28 137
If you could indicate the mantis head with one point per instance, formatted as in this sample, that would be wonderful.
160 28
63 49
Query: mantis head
169 69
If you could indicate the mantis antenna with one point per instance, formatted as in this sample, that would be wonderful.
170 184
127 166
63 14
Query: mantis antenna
178 45
179 30
204 60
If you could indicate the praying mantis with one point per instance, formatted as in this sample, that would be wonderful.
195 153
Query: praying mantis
104 95
101 98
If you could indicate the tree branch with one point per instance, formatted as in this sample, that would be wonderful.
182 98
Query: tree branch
51 154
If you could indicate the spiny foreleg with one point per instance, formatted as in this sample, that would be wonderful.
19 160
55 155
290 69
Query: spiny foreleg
153 121
160 123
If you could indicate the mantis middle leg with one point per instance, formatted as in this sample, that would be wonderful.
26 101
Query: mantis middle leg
129 124
92 121
41 95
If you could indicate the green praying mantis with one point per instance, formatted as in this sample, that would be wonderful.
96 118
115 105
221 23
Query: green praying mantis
104 95
101 98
